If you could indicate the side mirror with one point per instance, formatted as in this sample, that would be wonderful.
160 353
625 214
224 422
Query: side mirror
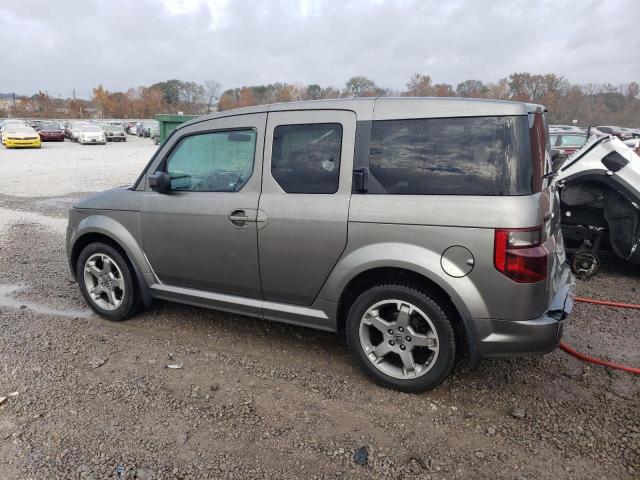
160 182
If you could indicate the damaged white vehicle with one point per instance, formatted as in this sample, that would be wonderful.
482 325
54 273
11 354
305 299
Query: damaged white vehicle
600 196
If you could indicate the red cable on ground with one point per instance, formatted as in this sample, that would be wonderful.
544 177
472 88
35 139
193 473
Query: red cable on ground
597 361
608 303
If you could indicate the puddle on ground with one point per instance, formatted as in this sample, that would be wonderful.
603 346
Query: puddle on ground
11 217
7 300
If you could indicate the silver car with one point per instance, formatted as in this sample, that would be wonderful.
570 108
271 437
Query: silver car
421 229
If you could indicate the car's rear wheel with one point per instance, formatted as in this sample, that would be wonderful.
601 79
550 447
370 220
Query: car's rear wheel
401 338
107 282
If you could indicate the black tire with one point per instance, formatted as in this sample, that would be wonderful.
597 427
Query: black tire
585 264
131 300
445 360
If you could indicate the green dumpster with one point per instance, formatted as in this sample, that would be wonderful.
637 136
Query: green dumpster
169 122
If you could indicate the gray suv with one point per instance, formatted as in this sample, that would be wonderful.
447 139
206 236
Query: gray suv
421 229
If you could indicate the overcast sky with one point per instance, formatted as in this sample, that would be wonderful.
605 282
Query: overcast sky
60 45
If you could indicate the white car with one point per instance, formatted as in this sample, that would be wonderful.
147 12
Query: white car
90 134
74 129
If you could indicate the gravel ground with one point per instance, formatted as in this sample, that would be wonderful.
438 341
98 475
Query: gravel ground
255 399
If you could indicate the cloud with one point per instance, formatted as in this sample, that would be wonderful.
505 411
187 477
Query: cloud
78 44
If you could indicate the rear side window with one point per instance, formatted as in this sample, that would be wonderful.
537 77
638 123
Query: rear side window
306 158
452 156
213 162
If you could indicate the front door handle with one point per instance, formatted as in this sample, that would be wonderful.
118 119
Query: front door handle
239 218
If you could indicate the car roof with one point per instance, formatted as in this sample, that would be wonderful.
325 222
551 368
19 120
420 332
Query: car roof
387 108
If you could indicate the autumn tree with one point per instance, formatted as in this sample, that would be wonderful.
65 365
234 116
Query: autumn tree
237 98
471 89
101 101
499 91
360 86
443 90
419 86
152 102
314 91
170 90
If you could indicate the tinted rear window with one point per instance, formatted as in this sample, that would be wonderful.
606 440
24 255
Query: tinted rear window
452 156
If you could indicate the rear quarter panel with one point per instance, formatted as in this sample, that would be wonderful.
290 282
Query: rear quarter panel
412 232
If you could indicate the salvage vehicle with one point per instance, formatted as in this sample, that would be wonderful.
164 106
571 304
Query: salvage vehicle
87 134
10 122
631 132
50 132
613 130
16 136
402 223
154 134
114 133
563 144
143 129
600 195
73 129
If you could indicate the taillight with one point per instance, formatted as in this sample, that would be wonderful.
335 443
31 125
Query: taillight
518 253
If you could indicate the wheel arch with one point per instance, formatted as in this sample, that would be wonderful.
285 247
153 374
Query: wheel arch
465 334
109 231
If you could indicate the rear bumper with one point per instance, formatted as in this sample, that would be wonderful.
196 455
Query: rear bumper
519 338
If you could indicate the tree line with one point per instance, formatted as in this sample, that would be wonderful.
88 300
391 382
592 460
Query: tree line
588 104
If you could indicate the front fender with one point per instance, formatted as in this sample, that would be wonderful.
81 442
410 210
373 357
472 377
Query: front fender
462 291
121 227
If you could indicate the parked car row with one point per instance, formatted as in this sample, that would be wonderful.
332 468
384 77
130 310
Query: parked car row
144 129
567 139
600 130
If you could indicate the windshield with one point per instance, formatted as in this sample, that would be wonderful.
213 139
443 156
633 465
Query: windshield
20 130
89 128
50 128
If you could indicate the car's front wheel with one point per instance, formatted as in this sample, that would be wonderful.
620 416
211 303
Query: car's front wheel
401 337
107 281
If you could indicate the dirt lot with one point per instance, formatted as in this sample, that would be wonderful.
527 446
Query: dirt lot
261 400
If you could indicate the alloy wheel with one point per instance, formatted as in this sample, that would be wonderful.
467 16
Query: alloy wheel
399 339
103 281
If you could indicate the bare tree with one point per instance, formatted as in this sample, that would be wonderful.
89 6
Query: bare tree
211 93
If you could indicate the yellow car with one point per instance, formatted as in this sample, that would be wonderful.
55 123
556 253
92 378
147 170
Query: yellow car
20 137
